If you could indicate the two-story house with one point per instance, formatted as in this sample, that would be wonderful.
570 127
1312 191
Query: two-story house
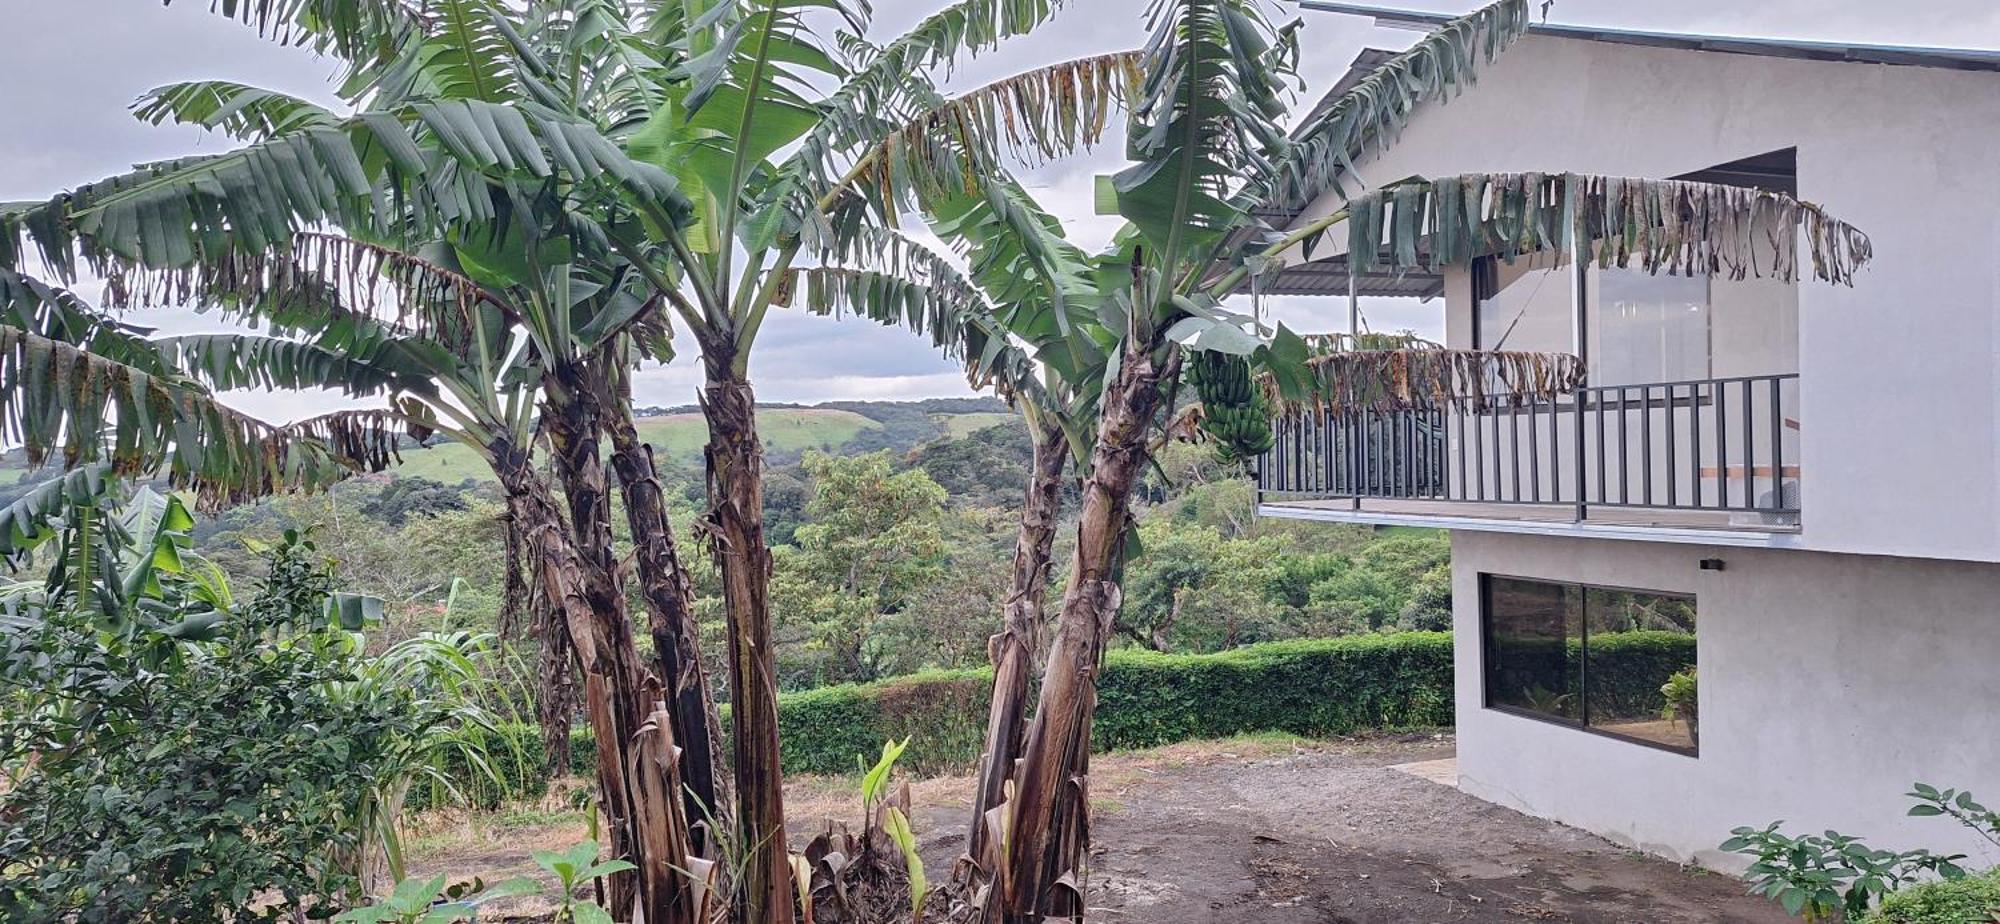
1780 500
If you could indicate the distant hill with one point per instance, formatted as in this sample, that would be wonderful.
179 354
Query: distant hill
677 434
677 439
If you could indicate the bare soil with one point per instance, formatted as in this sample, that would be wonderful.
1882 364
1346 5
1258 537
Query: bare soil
1261 831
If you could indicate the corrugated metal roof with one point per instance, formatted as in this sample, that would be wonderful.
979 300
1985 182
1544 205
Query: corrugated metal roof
1328 277
1964 59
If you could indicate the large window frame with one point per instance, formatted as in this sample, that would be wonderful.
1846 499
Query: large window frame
1487 649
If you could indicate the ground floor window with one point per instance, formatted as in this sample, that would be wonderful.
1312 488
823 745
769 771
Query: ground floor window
1616 661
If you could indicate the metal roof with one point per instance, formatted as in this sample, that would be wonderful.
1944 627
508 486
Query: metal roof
1964 59
1328 278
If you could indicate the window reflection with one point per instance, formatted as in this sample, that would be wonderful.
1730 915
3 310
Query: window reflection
1619 661
1534 647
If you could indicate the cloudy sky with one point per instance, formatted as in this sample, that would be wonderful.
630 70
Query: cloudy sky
75 66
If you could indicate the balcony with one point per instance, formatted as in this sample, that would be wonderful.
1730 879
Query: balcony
1713 457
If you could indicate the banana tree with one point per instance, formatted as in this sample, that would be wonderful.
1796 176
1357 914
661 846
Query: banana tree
80 385
782 176
456 355
662 148
1023 290
478 387
115 405
1026 322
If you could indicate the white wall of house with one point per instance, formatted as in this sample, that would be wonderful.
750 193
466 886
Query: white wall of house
1829 683
1900 403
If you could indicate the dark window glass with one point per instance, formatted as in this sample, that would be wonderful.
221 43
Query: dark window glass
1635 645
1534 634
1618 661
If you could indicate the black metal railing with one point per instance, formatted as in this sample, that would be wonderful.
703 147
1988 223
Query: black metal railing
1725 444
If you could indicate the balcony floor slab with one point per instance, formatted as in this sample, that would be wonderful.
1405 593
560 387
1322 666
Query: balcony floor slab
1712 527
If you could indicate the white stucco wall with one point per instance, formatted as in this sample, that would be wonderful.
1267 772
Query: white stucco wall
1898 372
1829 683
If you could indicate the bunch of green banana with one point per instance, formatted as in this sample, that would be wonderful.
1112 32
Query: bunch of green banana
1235 412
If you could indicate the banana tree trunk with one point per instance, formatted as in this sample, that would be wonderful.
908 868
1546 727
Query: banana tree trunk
735 459
1013 650
555 660
636 774
1042 875
670 614
555 666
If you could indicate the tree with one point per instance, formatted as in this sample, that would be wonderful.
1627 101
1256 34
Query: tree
79 384
1023 316
873 538
860 151
404 498
188 715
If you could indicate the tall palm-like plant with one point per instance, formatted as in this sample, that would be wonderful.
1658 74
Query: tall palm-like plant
456 355
503 155
1023 320
857 154
78 385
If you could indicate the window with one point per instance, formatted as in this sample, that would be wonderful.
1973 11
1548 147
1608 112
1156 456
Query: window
1648 328
1523 304
1621 662
1641 328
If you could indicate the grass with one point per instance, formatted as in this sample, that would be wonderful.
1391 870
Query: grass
675 437
960 426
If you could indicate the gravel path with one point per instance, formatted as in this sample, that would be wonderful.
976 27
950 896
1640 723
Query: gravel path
1268 832
1331 834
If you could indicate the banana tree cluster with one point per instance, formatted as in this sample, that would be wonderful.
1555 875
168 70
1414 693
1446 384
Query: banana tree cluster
517 203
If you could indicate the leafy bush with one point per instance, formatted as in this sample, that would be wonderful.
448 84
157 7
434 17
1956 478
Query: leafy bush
1315 687
1816 876
1319 687
1972 900
941 712
172 754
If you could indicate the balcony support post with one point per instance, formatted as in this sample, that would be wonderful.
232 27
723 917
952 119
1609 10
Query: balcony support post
1579 345
1354 343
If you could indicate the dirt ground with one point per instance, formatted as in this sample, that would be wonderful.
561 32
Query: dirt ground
1257 831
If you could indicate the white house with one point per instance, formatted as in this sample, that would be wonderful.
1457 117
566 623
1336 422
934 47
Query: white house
1792 488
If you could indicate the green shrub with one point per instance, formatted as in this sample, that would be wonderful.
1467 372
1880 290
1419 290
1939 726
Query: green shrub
178 753
1313 687
1972 900
1317 687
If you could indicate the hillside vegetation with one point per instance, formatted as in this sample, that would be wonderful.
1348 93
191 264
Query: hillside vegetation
675 437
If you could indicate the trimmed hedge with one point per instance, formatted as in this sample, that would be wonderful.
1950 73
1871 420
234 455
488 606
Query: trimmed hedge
1972 900
1313 687
1317 687
943 713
